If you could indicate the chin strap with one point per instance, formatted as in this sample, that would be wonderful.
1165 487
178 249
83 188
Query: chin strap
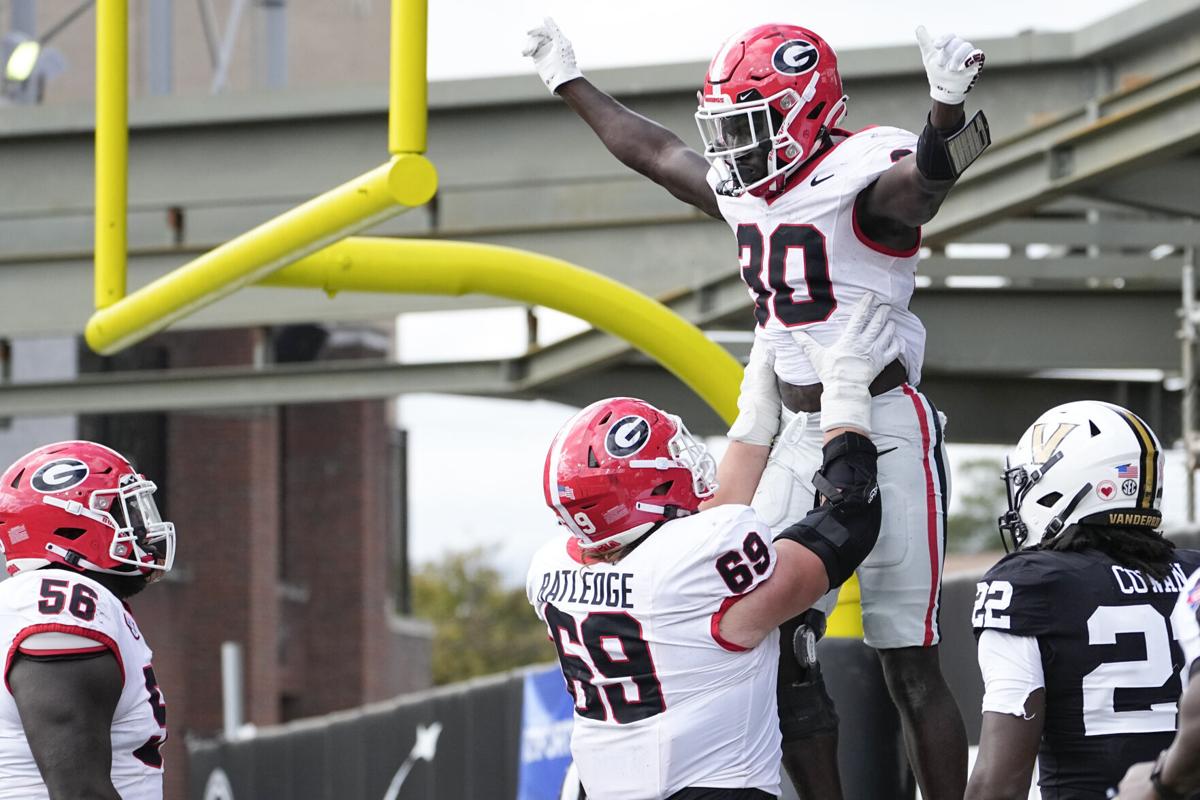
76 560
78 509
667 511
1056 525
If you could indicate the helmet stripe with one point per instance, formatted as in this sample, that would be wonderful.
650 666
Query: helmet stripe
1148 477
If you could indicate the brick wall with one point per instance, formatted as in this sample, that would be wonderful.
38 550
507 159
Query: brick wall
284 518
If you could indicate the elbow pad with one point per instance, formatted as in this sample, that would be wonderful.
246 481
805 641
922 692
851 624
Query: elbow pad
843 530
758 401
944 157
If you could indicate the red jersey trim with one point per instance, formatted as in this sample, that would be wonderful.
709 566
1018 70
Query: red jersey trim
715 624
574 551
55 627
862 236
29 651
808 168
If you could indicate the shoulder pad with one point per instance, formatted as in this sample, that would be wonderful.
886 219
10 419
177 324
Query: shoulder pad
1014 595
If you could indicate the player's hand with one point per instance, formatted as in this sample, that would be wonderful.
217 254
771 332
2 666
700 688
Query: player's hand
847 367
758 401
1136 783
952 65
552 54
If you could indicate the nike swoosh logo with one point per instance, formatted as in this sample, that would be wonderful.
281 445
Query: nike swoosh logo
821 179
885 452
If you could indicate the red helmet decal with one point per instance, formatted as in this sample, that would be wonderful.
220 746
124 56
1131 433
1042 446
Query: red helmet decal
726 61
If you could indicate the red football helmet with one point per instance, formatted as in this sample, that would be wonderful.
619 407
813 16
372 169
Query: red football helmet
621 466
770 96
82 505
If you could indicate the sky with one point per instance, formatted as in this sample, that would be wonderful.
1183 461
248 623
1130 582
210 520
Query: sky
471 38
487 455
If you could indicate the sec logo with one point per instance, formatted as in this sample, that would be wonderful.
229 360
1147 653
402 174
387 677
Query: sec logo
795 57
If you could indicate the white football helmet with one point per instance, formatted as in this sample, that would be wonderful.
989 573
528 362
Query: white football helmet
1083 462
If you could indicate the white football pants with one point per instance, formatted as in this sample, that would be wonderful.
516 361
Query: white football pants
901 578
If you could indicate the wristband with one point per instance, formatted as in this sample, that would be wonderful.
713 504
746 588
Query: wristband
942 157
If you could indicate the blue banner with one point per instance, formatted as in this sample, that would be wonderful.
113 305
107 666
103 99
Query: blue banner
546 719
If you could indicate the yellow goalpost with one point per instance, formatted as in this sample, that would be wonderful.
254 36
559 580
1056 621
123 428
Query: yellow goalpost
307 246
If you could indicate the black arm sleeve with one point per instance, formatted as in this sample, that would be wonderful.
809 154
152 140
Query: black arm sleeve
842 530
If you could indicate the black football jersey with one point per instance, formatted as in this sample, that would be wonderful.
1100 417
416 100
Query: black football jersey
1110 659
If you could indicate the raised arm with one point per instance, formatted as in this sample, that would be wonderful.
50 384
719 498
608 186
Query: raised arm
823 549
910 193
66 708
637 142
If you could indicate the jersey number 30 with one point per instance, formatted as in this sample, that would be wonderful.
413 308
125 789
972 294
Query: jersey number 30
607 648
777 295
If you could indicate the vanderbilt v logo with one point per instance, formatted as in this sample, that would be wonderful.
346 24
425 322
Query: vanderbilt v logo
1043 445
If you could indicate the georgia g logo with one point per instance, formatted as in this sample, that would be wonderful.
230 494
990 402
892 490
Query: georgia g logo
59 475
627 436
794 57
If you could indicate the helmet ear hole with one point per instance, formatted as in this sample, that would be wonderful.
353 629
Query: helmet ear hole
662 488
816 112
1048 500
69 533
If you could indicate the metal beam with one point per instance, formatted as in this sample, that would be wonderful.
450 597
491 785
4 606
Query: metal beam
1019 331
983 408
1149 124
192 389
1106 233
1013 332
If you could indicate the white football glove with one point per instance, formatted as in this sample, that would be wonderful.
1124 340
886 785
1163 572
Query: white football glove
847 367
758 401
552 54
952 65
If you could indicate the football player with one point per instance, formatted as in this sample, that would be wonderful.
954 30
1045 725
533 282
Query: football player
820 215
665 617
1175 774
81 713
1079 662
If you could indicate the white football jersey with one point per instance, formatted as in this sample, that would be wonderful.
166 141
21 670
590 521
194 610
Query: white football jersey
1185 622
57 612
806 262
662 702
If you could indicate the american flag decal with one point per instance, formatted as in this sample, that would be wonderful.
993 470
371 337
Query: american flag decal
1127 471
566 492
